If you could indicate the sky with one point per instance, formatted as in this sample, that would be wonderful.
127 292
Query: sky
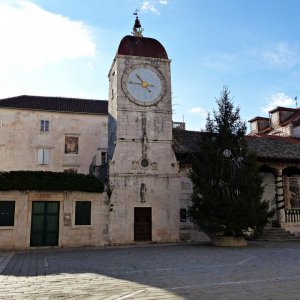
66 47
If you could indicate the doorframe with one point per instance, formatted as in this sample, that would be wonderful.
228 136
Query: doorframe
44 196
44 230
133 231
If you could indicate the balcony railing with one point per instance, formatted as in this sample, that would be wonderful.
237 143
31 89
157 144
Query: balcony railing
292 215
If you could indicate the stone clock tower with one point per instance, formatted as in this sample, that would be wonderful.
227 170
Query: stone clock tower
143 171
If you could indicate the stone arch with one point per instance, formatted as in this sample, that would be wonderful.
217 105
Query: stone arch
291 186
266 169
269 183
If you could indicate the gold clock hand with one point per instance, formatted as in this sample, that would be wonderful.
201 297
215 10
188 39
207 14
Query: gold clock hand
145 84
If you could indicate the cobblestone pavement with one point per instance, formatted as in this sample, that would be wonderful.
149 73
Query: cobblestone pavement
183 271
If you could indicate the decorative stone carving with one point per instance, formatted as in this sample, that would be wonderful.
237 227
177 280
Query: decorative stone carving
143 191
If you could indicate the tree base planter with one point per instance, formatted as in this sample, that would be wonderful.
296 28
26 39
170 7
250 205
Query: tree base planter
228 241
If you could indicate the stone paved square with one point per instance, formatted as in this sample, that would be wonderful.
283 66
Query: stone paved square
263 270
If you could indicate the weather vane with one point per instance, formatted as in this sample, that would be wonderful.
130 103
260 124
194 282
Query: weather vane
137 28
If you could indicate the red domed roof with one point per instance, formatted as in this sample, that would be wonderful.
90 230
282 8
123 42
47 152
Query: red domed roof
141 46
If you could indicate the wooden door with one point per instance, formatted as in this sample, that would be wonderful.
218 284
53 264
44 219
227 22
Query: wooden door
142 224
44 223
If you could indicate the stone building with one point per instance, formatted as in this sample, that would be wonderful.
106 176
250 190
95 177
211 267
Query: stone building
147 185
52 133
277 141
143 170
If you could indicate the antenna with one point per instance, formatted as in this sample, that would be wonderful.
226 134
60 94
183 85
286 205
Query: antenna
296 100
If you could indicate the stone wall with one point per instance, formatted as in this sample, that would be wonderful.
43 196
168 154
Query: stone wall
70 235
21 137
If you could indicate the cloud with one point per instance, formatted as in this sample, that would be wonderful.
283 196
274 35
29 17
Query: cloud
281 55
198 111
151 5
32 37
279 99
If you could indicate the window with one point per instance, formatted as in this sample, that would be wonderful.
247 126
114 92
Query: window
71 144
43 156
7 213
103 158
183 214
44 126
83 213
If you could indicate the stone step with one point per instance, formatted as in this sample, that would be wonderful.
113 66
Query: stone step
279 237
277 234
275 230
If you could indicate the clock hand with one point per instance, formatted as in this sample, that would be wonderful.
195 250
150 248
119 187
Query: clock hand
144 84
139 78
131 82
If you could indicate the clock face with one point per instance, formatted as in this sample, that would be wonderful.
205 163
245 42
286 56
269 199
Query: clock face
143 85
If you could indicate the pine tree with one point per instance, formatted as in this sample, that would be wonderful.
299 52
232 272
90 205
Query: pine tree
227 187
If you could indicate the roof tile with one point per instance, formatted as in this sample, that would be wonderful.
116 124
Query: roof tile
266 147
60 104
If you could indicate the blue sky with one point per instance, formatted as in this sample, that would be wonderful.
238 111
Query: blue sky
66 47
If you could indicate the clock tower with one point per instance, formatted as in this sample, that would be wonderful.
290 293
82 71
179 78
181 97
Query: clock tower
143 171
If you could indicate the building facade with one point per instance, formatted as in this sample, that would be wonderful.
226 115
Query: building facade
52 133
148 190
143 170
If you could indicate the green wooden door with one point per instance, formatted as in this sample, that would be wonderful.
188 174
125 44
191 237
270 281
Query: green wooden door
44 223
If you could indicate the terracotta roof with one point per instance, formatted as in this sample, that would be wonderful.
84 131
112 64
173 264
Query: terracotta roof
266 147
271 147
265 131
283 108
185 141
290 119
141 46
258 118
60 104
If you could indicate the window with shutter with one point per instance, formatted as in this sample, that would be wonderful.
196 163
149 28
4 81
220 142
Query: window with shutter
43 156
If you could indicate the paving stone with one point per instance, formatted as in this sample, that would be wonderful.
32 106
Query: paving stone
196 271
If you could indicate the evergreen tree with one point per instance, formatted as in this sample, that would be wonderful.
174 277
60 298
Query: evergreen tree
227 187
